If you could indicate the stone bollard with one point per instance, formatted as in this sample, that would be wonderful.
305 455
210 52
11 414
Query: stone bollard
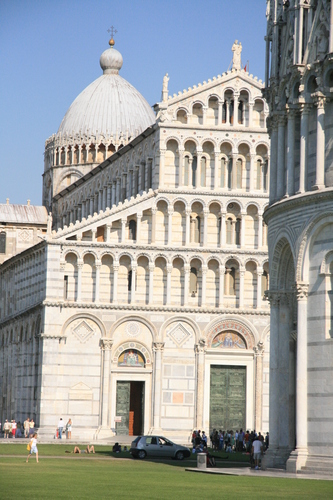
202 461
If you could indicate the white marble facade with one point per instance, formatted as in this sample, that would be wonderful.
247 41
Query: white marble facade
159 250
300 216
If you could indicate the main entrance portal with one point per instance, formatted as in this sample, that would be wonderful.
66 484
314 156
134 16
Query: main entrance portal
130 406
227 397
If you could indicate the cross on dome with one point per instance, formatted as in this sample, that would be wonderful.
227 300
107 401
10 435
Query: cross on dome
112 30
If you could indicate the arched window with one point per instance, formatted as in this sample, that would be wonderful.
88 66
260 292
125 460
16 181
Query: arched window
222 172
240 112
186 170
230 281
132 229
193 282
203 172
238 231
224 112
230 174
2 242
194 171
239 173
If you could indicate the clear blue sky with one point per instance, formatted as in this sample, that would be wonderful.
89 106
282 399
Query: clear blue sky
50 52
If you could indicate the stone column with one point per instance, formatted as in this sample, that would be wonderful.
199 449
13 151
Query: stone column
181 167
97 280
259 230
331 31
168 297
242 235
204 269
290 183
251 173
151 283
106 346
221 285
113 202
251 112
108 232
158 349
234 171
94 233
133 281
187 269
216 168
205 228
219 116
79 280
236 104
161 170
227 118
299 456
258 356
153 225
200 350
259 291
280 158
187 226
118 197
108 196
241 287
138 227
115 283
320 153
170 214
123 228
223 230
273 164
305 110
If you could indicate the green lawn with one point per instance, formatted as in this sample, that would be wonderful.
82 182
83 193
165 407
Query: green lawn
84 476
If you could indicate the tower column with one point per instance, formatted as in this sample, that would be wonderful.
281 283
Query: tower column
97 280
151 283
290 154
221 285
273 164
133 281
187 269
106 346
79 280
170 214
200 350
280 158
241 287
158 350
203 284
303 148
320 153
115 282
168 297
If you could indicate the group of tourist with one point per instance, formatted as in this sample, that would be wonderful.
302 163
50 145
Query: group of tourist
230 441
60 429
17 429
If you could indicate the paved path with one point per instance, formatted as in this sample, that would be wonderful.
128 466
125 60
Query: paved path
248 472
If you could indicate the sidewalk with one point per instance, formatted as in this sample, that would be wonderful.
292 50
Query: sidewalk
248 472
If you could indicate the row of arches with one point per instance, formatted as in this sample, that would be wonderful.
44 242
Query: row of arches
234 108
159 281
207 167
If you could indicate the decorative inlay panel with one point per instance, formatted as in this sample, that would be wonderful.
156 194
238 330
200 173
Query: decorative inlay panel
179 334
83 330
133 328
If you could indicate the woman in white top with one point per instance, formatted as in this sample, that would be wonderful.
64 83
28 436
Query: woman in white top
33 447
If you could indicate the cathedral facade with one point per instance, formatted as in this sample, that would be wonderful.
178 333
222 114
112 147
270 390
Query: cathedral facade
143 309
299 76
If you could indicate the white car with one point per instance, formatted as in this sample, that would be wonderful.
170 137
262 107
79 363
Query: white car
157 446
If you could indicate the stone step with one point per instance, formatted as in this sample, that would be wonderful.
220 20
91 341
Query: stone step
324 471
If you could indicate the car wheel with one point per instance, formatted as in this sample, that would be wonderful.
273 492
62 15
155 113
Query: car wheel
180 455
141 454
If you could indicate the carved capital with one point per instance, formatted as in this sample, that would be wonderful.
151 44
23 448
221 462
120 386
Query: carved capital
272 297
158 346
259 349
201 347
106 344
302 290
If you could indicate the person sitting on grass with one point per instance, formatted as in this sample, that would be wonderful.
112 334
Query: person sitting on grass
89 449
116 448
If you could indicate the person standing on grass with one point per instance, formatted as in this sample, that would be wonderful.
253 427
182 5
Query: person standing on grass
60 427
69 429
14 427
26 426
33 447
6 428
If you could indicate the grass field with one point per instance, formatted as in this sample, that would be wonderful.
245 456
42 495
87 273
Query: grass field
80 476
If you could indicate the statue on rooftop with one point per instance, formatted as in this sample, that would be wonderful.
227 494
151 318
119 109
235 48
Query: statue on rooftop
236 59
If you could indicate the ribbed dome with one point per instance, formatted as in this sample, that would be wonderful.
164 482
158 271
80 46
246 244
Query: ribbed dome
109 105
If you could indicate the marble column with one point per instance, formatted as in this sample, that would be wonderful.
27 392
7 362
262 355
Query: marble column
280 158
123 229
258 356
187 269
259 291
158 350
138 227
79 280
273 163
251 172
168 297
181 167
106 346
115 282
242 235
153 224
221 285
133 281
200 350
108 196
97 280
170 214
161 169
205 228
241 287
151 283
251 113
187 226
259 230
223 229
290 183
320 153
305 110
204 270
299 456
216 169
331 31
108 232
